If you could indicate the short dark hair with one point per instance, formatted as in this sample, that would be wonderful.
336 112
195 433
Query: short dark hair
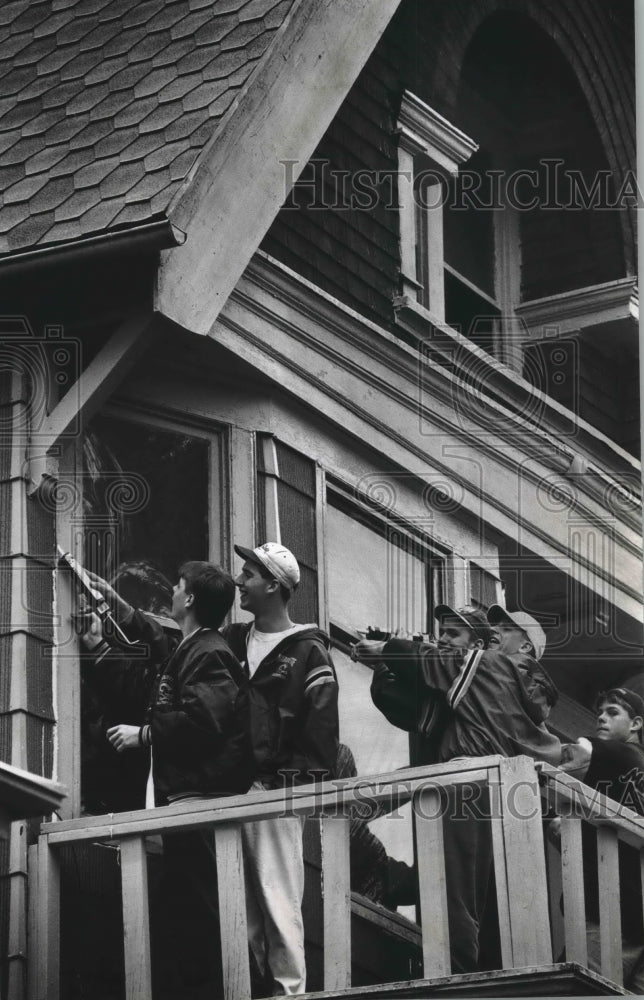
629 700
213 589
285 593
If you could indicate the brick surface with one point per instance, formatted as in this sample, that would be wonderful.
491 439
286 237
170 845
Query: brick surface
105 105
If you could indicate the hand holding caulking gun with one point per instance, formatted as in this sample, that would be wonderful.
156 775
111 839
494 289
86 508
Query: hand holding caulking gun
93 603
369 649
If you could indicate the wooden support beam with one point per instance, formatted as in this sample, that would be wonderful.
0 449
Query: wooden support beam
610 920
432 883
336 882
136 919
46 983
572 877
232 912
242 177
90 390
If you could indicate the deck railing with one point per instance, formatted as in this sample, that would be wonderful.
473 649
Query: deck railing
576 803
515 789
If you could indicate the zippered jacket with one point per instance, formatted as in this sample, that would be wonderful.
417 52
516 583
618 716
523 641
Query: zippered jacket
491 700
293 707
408 703
195 700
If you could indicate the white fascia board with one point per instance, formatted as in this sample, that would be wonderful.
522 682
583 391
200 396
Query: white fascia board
243 176
366 382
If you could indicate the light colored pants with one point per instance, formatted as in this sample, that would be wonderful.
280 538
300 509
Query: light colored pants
632 959
274 867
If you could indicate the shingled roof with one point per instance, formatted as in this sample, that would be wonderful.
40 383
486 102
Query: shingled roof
106 104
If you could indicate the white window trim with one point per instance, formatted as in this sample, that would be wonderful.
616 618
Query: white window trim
425 139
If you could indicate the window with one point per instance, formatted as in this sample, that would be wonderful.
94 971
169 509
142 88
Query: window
286 512
430 152
380 572
145 511
485 587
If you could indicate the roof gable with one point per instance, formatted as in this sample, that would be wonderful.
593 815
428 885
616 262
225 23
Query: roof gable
106 104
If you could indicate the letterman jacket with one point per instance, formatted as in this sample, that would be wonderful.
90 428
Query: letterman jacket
195 701
485 702
293 707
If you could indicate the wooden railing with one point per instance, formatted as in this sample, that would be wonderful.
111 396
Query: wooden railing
576 803
518 852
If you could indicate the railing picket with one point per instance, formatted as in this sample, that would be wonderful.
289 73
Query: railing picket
232 912
610 921
336 881
520 864
432 884
642 878
555 893
572 879
136 919
47 923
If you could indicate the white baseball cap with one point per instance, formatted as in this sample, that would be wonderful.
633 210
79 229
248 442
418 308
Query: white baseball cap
277 559
497 615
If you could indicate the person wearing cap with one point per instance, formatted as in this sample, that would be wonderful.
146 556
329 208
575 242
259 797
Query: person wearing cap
295 737
520 636
409 706
489 711
613 763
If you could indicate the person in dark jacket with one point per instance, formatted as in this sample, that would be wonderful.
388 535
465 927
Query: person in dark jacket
294 731
490 710
410 706
613 763
194 723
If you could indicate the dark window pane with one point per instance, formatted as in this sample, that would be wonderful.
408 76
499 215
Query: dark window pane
146 506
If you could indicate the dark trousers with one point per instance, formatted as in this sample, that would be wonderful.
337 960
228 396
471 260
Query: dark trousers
468 864
185 919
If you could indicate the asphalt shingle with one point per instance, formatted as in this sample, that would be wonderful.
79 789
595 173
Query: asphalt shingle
106 104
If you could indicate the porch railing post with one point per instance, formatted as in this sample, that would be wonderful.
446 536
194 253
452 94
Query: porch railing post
428 822
47 923
610 921
519 863
336 881
136 919
232 912
572 877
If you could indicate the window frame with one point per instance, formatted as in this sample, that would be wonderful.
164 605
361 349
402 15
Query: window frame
344 497
429 141
67 683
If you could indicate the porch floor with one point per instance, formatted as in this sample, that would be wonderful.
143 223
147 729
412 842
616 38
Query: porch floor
562 979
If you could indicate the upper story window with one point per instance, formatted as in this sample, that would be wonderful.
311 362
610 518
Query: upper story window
430 153
287 512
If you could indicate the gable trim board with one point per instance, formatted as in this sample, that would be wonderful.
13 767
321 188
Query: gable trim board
229 199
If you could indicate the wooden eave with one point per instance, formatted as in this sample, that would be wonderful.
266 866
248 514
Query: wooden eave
23 794
243 175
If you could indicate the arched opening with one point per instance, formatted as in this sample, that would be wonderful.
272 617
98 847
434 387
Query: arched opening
534 258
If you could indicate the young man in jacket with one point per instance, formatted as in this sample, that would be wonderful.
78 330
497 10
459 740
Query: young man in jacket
294 732
613 763
192 703
520 636
490 710
408 705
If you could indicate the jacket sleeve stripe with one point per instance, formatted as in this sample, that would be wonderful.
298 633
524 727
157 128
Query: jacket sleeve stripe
464 678
318 683
323 671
